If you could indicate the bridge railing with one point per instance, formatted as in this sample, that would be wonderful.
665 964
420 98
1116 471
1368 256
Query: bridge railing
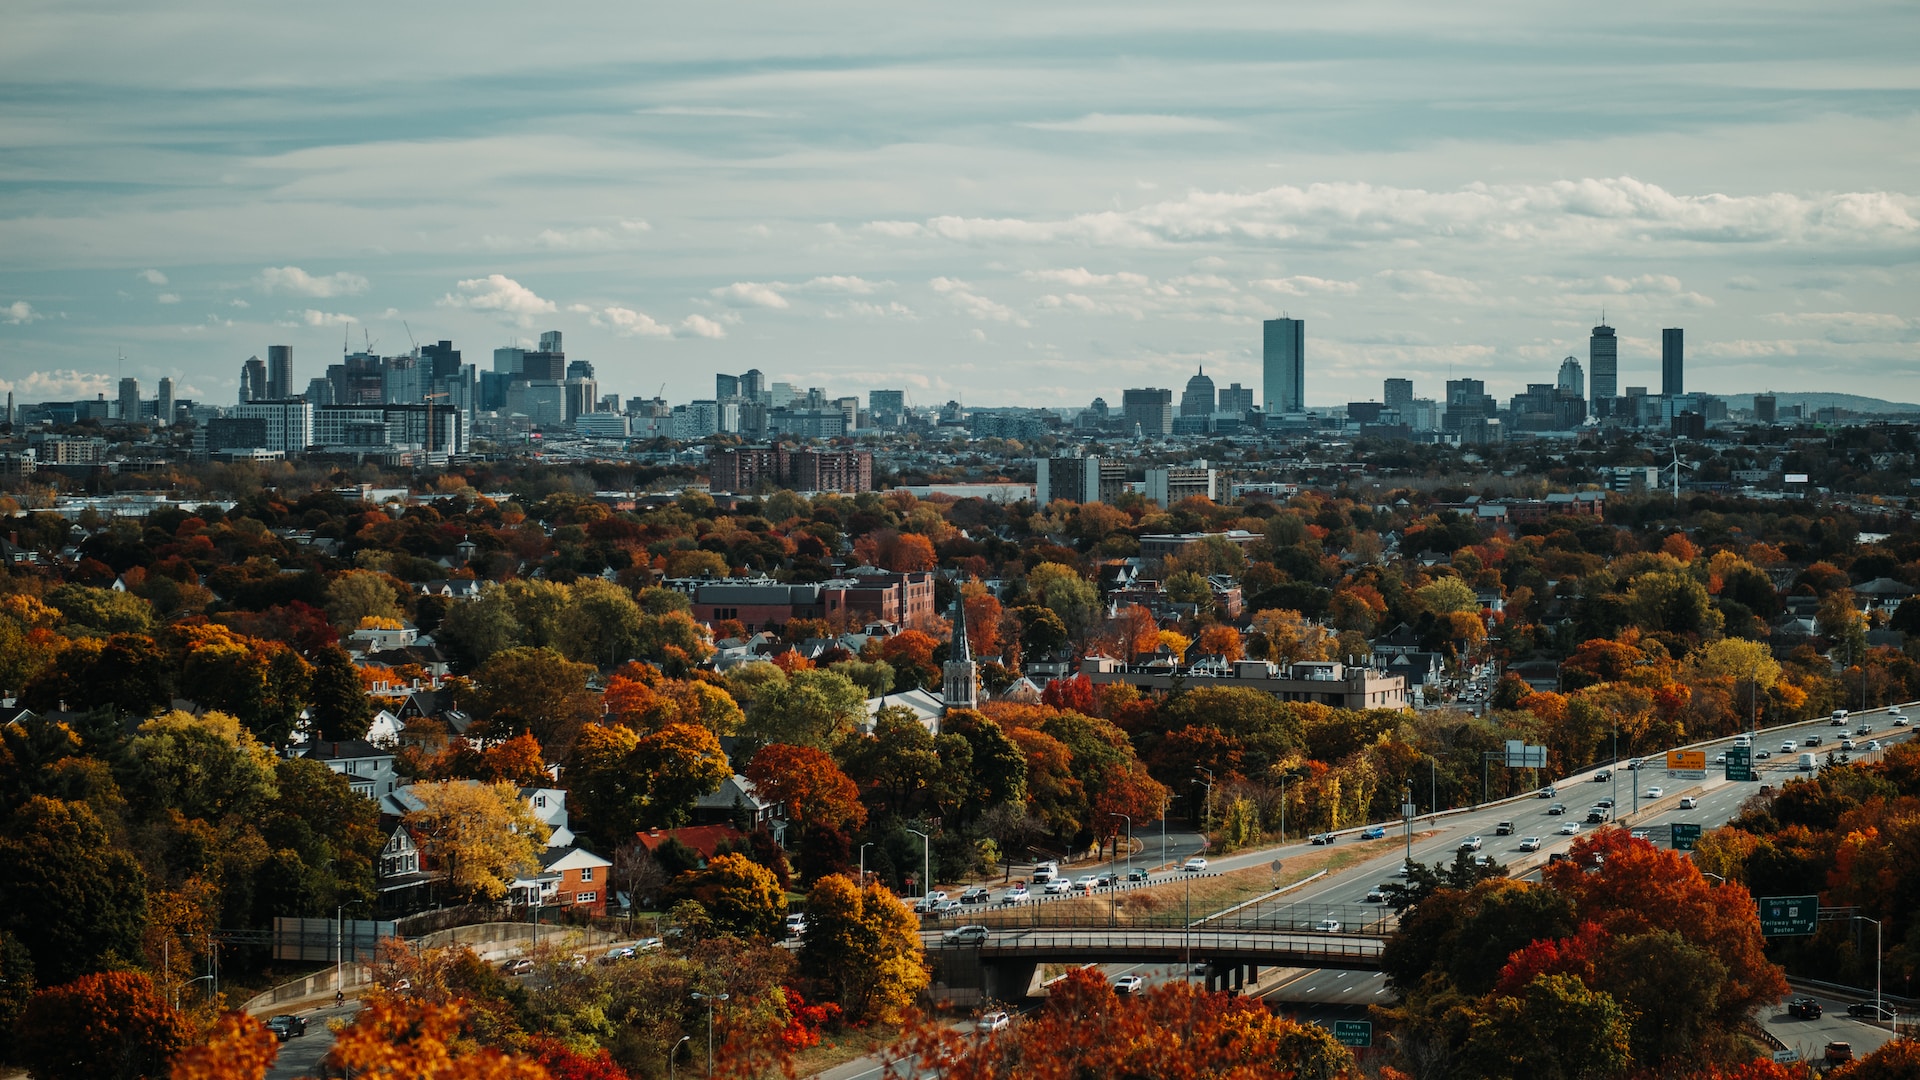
1197 942
1300 916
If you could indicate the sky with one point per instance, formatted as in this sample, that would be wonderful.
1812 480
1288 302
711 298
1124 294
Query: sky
1000 203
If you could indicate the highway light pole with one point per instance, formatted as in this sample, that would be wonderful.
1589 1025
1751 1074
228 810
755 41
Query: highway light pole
1406 811
675 1052
926 863
709 999
1129 820
863 863
1877 1006
1206 812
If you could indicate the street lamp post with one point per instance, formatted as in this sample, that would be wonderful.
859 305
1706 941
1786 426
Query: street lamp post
710 999
675 1052
1283 808
1206 811
926 863
1878 1007
863 863
339 932
1129 820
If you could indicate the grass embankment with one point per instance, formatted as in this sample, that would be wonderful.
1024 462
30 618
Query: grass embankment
1165 902
838 1048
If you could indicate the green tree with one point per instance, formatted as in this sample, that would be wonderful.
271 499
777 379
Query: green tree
72 897
601 624
341 709
1447 594
206 767
114 1025
1063 591
1557 1029
1189 587
474 630
866 945
535 690
100 612
809 708
1674 602
361 594
740 896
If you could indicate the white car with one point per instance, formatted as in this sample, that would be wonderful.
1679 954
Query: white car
1571 828
992 1022
1720 759
1087 881
1327 926
1899 720
1640 834
796 924
1530 843
1872 745
1014 895
1128 984
1788 746
1194 865
1058 887
1655 792
1471 843
1688 802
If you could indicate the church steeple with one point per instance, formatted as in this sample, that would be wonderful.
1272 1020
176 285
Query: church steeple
960 676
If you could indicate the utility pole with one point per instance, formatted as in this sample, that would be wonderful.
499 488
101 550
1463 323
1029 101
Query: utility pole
710 999
926 863
1206 812
1406 811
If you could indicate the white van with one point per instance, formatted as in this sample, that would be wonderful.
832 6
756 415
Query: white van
1806 763
1743 741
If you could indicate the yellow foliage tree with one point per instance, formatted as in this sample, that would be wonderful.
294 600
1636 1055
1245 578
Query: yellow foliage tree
483 835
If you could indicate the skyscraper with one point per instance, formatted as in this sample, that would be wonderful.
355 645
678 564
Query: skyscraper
279 372
1151 409
1199 398
1603 367
1398 396
1236 400
1673 341
726 387
1572 378
163 405
753 385
253 380
1284 365
129 399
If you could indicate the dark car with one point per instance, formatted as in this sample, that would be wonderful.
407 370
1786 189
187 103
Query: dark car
1602 776
1866 1009
1556 810
287 1026
976 895
1805 1008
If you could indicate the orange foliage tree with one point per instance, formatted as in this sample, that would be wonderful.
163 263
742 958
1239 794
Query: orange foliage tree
106 1026
404 1039
813 787
1222 641
237 1048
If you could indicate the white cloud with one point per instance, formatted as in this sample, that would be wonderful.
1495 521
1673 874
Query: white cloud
839 283
634 225
152 277
589 238
701 326
499 293
239 303
974 305
19 313
63 383
1303 285
626 322
754 294
1133 124
1429 283
706 110
893 309
312 317
1081 277
167 298
297 282
1867 320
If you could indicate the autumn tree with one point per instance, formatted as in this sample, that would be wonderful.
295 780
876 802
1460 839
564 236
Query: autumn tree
69 894
483 835
624 782
864 945
238 1047
809 708
418 1040
340 707
810 784
740 896
537 691
362 594
113 1025
1221 641
1061 590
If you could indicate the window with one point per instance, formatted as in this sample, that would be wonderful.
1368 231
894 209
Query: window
586 873
585 897
540 802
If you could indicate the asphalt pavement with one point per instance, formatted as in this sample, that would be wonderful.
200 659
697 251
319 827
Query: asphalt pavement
301 1056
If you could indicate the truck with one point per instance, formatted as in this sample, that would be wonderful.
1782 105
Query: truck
1806 763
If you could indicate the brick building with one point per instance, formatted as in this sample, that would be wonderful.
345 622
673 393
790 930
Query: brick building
748 468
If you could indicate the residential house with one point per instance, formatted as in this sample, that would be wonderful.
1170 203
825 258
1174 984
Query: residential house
368 768
735 798
569 877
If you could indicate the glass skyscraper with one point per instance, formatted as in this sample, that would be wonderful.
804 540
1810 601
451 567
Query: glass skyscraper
1284 365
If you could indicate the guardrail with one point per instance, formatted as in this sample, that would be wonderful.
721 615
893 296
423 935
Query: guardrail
1200 942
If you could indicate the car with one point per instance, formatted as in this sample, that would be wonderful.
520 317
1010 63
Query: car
1720 758
1327 926
1762 755
1656 791
964 935
1322 838
1505 828
976 895
1571 828
1530 843
1640 834
796 924
1045 872
1556 809
522 966
1015 894
1138 873
1789 746
1604 804
1376 895
619 953
1863 729
1057 887
1549 792
287 1026
1086 881
1633 764
1812 740
1838 1053
1846 744
1837 721
1840 715
1873 744
1804 1008
1898 719
1194 865
1471 843
1373 832
1688 802
925 905
1128 984
1602 776
649 944
1596 816
948 908
1868 1011
1106 880
992 1022
1406 870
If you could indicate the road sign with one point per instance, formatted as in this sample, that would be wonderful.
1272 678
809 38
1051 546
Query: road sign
1740 763
1788 916
1353 1032
1786 1056
1685 836
1521 756
1687 760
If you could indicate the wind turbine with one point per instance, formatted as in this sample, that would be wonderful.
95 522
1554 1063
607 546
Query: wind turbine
1675 469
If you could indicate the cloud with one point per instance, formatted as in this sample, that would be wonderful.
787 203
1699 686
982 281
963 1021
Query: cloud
974 305
701 326
1302 285
1744 283
706 110
838 283
1133 124
893 309
167 298
239 303
152 277
20 313
1081 277
626 322
499 293
64 383
588 238
312 317
754 294
1431 284
297 282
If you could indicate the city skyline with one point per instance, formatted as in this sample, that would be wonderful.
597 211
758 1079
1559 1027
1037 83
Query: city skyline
683 196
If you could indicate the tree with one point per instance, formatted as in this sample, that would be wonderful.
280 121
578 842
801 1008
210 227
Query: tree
1063 591
341 709
112 1025
483 835
678 764
1289 636
865 945
420 1040
809 708
1447 594
535 690
238 1047
1897 1060
474 630
1188 587
204 766
740 896
624 782
361 594
1675 602
1558 1029
1221 641
810 784
101 612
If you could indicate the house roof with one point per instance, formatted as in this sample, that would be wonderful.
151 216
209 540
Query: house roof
735 787
570 858
344 750
701 838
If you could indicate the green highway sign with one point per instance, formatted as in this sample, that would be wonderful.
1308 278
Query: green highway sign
1740 763
1685 836
1353 1032
1788 916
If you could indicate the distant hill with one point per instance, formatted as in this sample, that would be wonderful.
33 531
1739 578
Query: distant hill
1810 402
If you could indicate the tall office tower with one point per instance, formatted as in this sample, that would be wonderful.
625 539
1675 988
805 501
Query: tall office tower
320 391
753 385
550 342
279 372
1398 396
725 387
1573 378
163 405
579 369
1766 408
441 359
1673 347
1236 400
1284 365
129 399
509 361
1150 409
887 407
1603 367
1199 398
782 393
253 380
